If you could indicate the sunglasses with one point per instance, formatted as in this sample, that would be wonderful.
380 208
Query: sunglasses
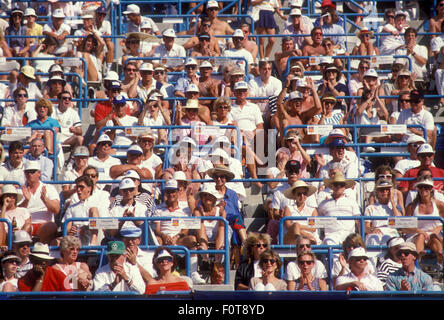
81 186
67 98
22 95
425 187
206 25
425 155
192 67
159 72
261 245
91 175
146 72
364 68
224 107
307 262
30 171
304 245
385 176
104 144
404 100
265 261
338 184
12 261
164 259
390 17
131 70
219 177
301 193
403 253
134 42
415 145
359 258
128 190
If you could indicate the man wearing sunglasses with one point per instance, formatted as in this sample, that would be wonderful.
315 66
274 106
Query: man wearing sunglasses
409 277
21 244
70 123
293 272
413 143
358 279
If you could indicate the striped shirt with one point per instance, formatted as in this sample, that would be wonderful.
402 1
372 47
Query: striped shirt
386 267
417 279
314 284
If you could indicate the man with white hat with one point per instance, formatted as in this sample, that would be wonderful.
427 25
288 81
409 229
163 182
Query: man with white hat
120 118
190 77
426 154
58 29
150 160
21 244
42 200
102 159
389 44
299 25
133 162
136 20
169 49
358 279
238 51
42 276
409 277
208 85
146 83
413 143
128 207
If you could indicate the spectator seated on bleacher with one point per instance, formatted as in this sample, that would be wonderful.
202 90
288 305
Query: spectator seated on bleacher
33 28
238 51
18 113
9 264
277 172
435 22
68 263
293 143
119 274
331 29
19 46
74 170
389 85
288 49
12 169
133 49
136 20
418 55
102 159
86 207
208 85
378 232
150 159
203 43
357 79
313 49
389 44
264 86
365 47
21 246
25 78
390 262
133 162
188 115
413 143
401 279
300 26
358 279
154 114
168 50
235 74
333 83
143 259
426 155
55 87
339 204
55 70
417 114
44 50
185 190
103 27
218 26
437 58
43 201
91 49
222 117
19 218
36 150
59 30
44 110
404 83
190 77
146 83
293 229
270 264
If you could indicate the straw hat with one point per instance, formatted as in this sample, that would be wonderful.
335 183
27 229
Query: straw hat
10 189
364 31
289 193
339 177
220 169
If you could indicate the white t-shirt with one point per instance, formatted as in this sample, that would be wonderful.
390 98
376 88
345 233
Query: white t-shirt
167 226
405 164
118 210
241 53
419 50
120 138
257 88
39 211
103 166
66 119
9 173
20 214
80 209
343 206
424 118
176 51
63 27
248 117
292 272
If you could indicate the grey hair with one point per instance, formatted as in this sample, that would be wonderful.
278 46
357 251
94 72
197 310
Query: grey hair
68 241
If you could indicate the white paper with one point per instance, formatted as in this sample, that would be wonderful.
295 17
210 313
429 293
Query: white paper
403 222
18 131
110 223
322 129
186 223
394 128
321 222
314 61
134 131
74 62
172 20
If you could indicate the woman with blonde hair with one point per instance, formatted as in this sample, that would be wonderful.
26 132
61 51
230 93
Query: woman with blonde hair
254 245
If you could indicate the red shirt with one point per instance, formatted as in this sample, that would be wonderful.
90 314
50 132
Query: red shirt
103 109
174 286
413 173
54 280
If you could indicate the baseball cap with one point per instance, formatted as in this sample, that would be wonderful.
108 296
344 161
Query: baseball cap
295 12
408 246
400 13
87 16
191 62
414 138
301 82
188 140
30 12
169 33
81 151
32 165
295 95
163 254
204 35
104 138
115 85
192 88
296 3
101 9
212 4
371 73
395 242
112 76
58 13
132 8
240 85
179 176
238 33
146 67
358 253
383 183
145 24
126 183
425 148
55 68
119 99
116 247
206 64
132 174
292 165
134 149
171 185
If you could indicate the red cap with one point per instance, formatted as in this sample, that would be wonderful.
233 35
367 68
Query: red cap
328 3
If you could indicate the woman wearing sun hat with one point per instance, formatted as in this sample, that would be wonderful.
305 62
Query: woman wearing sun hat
299 192
365 47
9 263
428 232
19 217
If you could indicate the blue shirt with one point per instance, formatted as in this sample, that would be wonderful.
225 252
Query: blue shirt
232 203
46 165
418 280
49 123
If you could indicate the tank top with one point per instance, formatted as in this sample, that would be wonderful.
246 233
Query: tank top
211 226
427 225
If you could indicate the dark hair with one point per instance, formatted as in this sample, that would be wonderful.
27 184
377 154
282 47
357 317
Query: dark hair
270 253
314 30
95 45
263 63
157 252
16 91
353 239
396 67
15 145
87 180
410 30
50 41
59 96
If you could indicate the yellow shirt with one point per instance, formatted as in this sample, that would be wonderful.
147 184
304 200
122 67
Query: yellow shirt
37 30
